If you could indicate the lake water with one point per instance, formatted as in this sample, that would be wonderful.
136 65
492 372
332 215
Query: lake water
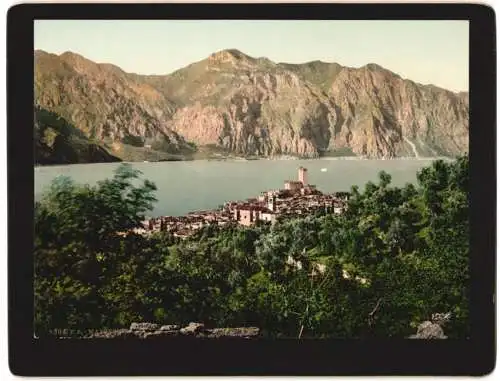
186 186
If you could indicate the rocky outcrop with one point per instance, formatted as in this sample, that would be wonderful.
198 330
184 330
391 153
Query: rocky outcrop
429 330
253 106
432 329
156 331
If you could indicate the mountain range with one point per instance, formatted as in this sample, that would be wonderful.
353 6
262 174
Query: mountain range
234 104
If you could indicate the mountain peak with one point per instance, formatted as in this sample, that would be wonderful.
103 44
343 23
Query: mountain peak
374 67
70 54
76 59
40 52
235 53
316 62
230 55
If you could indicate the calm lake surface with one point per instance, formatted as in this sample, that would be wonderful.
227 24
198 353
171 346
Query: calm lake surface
186 186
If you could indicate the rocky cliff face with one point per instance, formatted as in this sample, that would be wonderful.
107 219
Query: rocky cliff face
105 103
383 115
253 106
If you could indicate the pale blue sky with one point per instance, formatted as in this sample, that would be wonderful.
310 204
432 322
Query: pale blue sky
428 52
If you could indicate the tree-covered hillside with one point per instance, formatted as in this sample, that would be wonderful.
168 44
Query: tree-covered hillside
394 258
59 142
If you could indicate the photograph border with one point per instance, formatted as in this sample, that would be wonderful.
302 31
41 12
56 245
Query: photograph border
51 357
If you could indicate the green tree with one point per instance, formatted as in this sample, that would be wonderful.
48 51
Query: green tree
395 257
82 236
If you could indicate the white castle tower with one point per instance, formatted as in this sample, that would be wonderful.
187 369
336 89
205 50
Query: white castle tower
271 203
303 176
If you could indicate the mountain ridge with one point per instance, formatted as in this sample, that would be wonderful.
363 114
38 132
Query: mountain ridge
317 61
255 107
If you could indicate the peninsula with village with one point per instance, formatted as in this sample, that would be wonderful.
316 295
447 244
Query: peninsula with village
298 198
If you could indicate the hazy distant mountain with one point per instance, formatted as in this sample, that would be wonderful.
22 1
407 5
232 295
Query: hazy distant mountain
253 106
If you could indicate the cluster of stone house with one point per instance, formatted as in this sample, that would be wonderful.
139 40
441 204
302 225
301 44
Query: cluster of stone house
296 199
184 226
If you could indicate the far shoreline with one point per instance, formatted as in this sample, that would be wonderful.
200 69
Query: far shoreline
243 159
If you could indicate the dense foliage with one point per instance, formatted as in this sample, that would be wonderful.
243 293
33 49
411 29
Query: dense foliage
59 142
395 257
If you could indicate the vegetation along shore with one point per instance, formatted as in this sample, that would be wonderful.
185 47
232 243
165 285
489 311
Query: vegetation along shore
388 260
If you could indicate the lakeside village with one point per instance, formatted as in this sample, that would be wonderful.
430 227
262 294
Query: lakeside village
298 198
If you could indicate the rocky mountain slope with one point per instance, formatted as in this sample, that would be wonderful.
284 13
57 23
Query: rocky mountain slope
58 142
252 106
